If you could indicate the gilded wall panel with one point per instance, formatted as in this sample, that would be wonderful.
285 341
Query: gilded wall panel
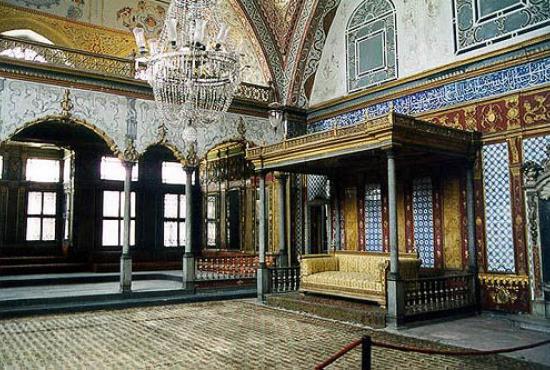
275 216
452 224
350 217
249 220
109 24
438 222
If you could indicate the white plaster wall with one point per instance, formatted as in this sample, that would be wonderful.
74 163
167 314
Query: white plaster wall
22 102
424 41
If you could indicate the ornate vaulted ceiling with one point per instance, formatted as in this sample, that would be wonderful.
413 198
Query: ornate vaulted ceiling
271 33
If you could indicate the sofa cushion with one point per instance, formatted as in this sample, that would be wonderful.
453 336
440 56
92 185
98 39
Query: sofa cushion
341 279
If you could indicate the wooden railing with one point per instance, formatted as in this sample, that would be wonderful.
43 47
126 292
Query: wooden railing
442 293
284 279
228 267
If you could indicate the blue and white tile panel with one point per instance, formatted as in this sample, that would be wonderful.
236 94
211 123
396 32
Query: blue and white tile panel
498 209
373 218
423 220
490 85
534 148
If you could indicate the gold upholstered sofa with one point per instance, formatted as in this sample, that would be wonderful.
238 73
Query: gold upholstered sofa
359 275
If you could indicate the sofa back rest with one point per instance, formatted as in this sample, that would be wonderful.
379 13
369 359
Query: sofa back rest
371 264
315 264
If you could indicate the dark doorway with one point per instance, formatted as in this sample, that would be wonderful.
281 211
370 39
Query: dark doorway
233 219
318 225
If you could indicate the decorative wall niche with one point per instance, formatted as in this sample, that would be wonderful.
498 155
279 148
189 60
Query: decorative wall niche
371 45
478 23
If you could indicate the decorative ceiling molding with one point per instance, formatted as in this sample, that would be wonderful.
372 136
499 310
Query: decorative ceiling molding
281 16
302 65
266 38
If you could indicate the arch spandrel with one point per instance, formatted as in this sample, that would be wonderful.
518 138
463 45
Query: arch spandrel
115 149
237 127
24 103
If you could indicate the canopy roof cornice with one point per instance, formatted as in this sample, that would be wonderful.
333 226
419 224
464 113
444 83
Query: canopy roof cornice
332 149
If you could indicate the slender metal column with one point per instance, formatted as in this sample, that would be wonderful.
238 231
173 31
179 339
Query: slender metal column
470 214
262 236
392 208
188 259
395 303
281 183
126 257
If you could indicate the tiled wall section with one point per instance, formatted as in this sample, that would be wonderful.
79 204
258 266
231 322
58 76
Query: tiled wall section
520 77
317 187
299 213
498 212
423 220
373 218
535 148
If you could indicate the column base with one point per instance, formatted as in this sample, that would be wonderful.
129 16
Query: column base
262 282
396 303
188 272
282 260
540 308
126 273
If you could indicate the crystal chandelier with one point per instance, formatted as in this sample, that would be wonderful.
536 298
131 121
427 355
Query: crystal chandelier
193 71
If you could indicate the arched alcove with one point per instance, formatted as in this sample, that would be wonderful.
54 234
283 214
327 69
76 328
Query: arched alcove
50 190
229 189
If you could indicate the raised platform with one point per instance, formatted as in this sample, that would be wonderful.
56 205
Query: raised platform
22 295
341 309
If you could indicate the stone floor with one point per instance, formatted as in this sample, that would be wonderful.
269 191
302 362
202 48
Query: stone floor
484 332
214 335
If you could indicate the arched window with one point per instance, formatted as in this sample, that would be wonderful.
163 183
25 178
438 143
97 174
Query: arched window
371 44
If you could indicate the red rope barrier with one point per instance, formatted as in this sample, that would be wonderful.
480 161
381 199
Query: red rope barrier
356 343
458 353
338 354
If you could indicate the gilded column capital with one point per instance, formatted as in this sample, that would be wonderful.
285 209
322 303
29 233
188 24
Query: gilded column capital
191 158
130 154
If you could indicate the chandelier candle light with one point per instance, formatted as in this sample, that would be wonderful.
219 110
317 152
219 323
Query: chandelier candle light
192 69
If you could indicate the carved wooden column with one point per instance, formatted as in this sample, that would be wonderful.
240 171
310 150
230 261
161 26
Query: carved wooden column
126 257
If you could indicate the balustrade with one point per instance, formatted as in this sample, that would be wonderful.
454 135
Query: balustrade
438 294
62 58
284 279
228 267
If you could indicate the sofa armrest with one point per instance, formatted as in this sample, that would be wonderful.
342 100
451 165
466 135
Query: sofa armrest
382 271
309 266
